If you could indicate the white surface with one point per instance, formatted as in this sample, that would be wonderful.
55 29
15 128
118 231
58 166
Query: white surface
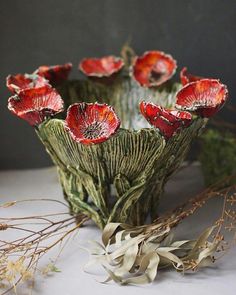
219 279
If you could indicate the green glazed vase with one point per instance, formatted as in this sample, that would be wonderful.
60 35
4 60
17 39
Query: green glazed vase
121 179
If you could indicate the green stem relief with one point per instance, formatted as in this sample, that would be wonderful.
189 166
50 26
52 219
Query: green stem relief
121 179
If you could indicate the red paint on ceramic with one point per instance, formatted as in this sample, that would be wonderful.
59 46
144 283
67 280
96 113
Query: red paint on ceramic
55 74
153 68
36 104
101 67
91 123
204 97
23 81
168 122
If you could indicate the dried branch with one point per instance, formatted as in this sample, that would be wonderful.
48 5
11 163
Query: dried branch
19 258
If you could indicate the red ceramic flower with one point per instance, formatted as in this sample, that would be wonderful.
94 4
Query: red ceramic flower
153 68
205 97
55 74
24 81
36 104
186 78
101 67
90 123
168 122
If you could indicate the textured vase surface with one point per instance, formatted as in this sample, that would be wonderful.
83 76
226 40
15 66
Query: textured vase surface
121 179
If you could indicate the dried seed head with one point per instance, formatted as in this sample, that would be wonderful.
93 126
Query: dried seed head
3 226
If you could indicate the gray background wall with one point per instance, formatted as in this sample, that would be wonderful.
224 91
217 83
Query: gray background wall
200 34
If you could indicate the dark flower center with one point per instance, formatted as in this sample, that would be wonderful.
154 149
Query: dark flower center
94 130
158 70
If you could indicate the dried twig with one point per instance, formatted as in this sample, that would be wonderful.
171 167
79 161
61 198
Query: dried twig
19 258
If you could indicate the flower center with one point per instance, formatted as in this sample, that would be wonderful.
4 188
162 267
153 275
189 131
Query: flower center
94 130
158 70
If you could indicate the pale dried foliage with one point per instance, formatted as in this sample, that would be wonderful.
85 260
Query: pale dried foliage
133 255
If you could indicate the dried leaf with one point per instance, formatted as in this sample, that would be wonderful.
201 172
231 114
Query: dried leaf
119 237
128 261
149 247
97 249
148 268
200 242
108 232
208 252
125 246
112 276
181 244
8 204
175 260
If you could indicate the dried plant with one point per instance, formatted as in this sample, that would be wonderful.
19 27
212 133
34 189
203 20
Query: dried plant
19 258
133 255
129 254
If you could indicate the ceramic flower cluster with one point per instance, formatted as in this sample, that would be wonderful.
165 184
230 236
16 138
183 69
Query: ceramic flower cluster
35 99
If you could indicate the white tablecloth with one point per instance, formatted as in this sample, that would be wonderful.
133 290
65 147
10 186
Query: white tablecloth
218 279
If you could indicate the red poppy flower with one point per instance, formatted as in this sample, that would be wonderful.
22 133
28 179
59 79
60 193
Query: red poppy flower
55 74
36 104
205 97
186 78
101 67
91 122
168 122
24 81
153 68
